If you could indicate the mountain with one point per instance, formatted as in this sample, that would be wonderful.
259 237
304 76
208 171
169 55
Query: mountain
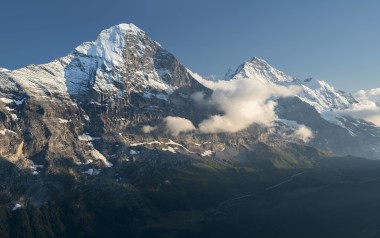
317 106
318 94
106 142
109 86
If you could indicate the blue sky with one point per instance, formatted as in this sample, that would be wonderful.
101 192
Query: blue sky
333 40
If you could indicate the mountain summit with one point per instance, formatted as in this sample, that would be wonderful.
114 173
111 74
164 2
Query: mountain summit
123 59
112 43
260 70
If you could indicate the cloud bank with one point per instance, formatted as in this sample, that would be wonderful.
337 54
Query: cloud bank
303 133
243 102
177 125
367 108
148 129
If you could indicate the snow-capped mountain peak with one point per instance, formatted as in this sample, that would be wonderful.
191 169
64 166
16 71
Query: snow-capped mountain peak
123 59
111 43
259 69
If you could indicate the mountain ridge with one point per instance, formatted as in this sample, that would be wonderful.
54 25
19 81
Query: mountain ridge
108 141
129 77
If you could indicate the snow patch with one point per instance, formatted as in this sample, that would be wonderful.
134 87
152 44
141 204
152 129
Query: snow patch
4 70
62 121
85 163
14 116
177 144
289 123
3 131
6 100
87 137
92 171
170 149
207 153
99 156
19 102
17 206
34 167
160 96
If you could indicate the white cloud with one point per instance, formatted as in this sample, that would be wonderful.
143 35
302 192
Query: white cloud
177 125
366 94
367 107
243 102
303 133
148 129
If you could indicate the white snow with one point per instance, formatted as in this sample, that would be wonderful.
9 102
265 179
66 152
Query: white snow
137 144
289 123
160 96
6 100
170 143
146 143
110 43
19 102
62 121
85 163
17 206
3 131
34 167
134 152
92 171
153 142
170 149
87 137
99 156
207 153
4 70
177 144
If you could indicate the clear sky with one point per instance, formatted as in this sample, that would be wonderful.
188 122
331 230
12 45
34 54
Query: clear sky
333 40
